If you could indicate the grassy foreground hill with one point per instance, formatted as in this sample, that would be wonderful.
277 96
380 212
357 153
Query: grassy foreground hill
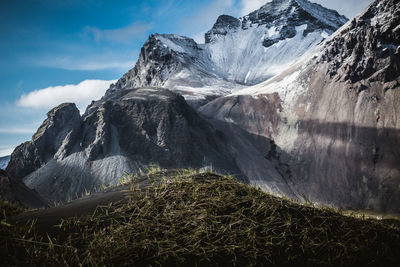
201 219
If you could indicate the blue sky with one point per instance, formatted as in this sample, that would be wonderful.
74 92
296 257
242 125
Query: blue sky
57 51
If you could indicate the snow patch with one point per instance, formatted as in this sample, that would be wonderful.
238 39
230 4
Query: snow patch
324 34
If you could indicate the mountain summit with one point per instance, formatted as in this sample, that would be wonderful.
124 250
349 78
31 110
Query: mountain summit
237 52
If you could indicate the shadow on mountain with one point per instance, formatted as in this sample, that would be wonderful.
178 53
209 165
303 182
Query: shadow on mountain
349 165
382 144
260 159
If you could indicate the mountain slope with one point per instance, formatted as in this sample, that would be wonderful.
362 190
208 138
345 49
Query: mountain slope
335 113
237 52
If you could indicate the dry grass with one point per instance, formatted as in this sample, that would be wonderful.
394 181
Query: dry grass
205 219
9 209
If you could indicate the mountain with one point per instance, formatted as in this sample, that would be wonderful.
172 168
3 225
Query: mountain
4 162
237 52
324 129
335 113
130 129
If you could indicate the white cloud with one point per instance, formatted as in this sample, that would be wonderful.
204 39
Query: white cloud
81 94
123 35
249 6
17 130
6 152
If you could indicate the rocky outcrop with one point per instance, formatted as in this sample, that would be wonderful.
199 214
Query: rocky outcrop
369 48
155 64
223 25
125 132
335 115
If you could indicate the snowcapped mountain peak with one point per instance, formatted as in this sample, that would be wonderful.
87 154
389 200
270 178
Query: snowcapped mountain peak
286 9
238 52
291 13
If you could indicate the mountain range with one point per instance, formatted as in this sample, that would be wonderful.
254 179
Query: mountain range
293 98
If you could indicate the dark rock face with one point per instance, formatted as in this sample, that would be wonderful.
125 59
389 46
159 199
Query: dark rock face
125 132
155 125
15 191
370 45
223 25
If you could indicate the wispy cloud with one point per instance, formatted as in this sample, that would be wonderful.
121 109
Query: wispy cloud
126 34
249 6
81 58
86 64
81 94
6 152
